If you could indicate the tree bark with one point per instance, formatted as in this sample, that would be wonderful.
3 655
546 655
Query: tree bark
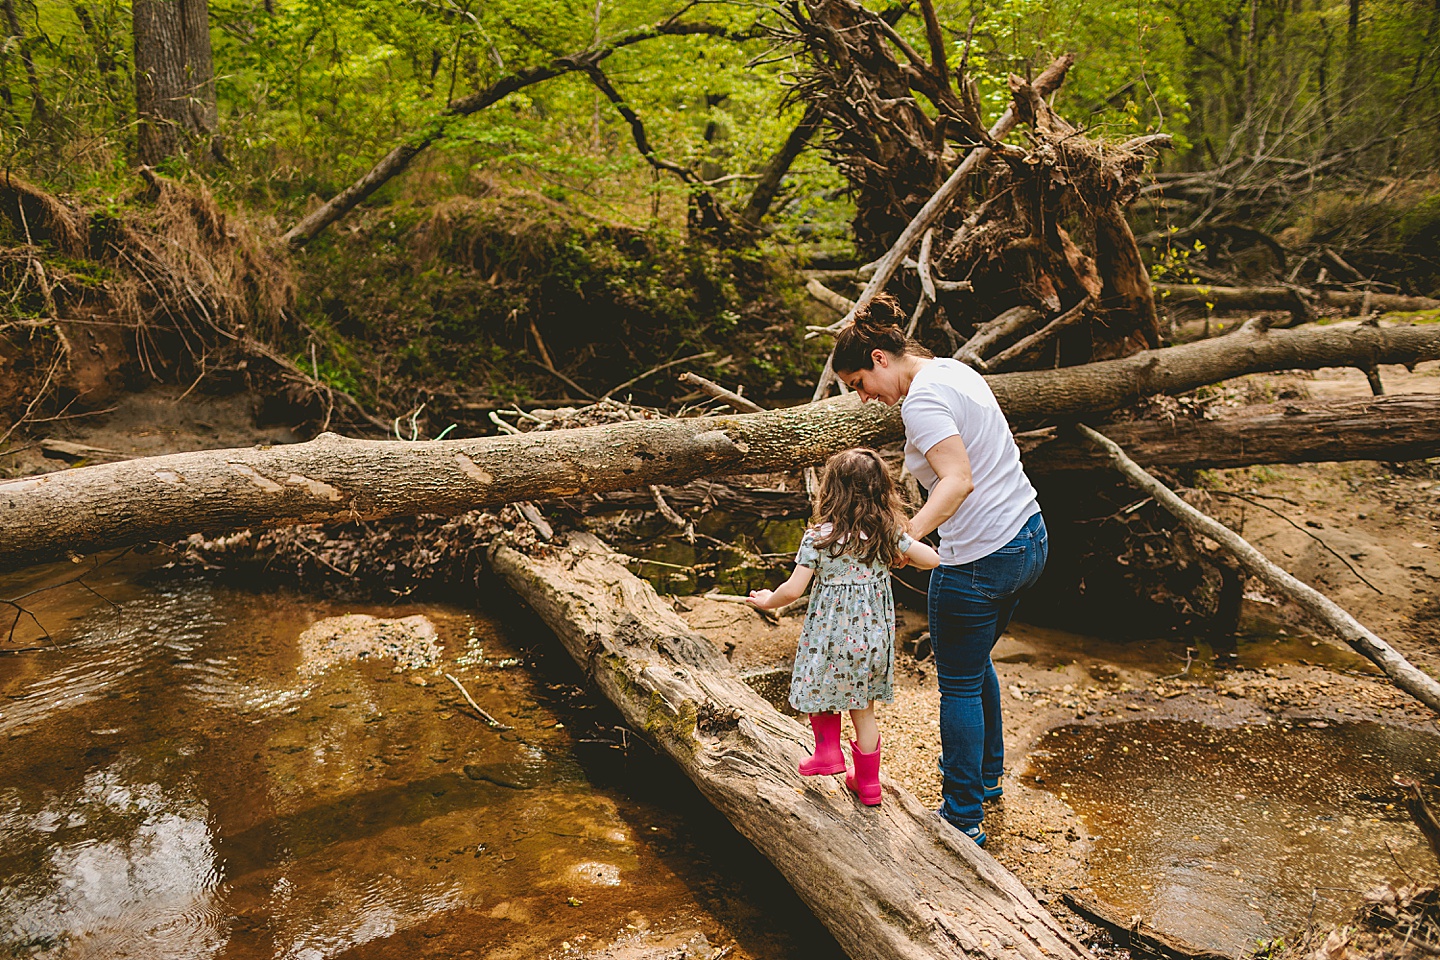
1293 299
174 76
1405 427
335 479
889 882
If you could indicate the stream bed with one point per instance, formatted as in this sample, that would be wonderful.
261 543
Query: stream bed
1231 828
183 774
1228 834
177 779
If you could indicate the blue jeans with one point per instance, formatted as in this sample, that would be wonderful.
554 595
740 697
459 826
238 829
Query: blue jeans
970 606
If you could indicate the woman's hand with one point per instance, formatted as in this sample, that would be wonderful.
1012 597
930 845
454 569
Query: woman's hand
761 598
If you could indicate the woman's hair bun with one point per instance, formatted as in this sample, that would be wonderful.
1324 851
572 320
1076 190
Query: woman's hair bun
880 313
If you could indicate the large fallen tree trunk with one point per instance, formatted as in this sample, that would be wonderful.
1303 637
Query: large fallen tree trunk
1401 672
889 882
334 479
1405 427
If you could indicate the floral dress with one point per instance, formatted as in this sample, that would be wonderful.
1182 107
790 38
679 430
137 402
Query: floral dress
846 656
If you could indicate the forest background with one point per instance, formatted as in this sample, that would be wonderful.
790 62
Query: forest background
596 215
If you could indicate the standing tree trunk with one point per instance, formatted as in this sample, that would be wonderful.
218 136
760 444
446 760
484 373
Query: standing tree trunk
39 111
174 76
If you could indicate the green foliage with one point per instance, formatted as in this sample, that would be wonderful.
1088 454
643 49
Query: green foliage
468 291
313 92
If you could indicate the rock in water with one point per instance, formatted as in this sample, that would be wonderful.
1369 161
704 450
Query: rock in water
412 642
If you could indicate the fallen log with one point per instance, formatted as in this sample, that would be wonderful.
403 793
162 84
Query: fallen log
334 479
1300 302
1396 428
1404 427
893 881
1401 672
1035 396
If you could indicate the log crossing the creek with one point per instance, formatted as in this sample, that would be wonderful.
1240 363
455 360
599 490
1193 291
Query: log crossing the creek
890 882
333 479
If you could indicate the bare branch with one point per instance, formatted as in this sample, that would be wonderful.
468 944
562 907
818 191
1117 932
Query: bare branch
400 157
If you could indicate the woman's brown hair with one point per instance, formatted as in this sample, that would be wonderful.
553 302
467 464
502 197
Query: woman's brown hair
859 501
876 327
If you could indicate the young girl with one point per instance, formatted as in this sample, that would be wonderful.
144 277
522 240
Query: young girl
846 657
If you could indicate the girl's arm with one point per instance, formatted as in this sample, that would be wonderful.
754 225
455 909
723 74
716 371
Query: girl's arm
788 592
951 463
922 556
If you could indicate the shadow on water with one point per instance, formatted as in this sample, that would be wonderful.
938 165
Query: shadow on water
172 785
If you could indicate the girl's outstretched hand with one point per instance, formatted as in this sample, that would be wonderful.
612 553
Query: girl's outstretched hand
760 598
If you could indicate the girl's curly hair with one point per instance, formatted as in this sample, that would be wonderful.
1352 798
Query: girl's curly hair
859 501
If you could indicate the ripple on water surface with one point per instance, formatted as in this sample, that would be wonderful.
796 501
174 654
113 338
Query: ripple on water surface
174 783
1228 835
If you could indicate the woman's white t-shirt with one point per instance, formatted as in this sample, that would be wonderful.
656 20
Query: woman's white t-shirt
947 399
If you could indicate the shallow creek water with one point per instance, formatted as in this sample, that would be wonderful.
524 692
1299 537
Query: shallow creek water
1228 833
173 784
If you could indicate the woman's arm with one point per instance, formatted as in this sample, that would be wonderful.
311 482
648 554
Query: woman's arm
951 463
788 592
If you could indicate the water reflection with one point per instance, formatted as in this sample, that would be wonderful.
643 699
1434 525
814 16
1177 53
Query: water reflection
145 888
176 785
1227 835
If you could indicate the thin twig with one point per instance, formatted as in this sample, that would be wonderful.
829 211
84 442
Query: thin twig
654 370
475 706
504 427
1264 506
720 393
560 376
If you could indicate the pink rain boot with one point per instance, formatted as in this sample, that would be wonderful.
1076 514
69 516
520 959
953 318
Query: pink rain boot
865 781
828 758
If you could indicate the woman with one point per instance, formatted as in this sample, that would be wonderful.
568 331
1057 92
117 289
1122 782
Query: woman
993 542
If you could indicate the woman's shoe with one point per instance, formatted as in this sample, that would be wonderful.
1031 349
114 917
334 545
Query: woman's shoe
827 758
992 791
865 781
975 832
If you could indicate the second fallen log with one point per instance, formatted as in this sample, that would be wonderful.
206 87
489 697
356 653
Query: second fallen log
1397 427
